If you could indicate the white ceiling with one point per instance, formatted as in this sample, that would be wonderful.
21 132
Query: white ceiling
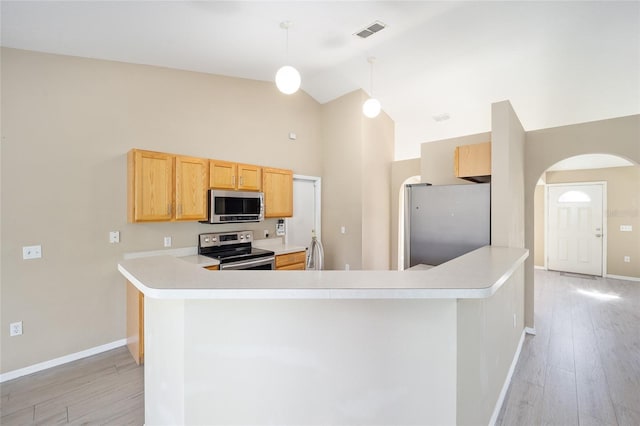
557 62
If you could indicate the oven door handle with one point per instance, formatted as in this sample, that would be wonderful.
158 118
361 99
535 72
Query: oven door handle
248 263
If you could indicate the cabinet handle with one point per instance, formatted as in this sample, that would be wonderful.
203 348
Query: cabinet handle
180 210
233 180
241 180
169 209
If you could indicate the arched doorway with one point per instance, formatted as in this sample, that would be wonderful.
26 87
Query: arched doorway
620 176
401 214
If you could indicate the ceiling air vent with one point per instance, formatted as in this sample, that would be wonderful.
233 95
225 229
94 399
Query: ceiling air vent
370 30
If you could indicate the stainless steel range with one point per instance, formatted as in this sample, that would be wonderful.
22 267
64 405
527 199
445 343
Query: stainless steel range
234 251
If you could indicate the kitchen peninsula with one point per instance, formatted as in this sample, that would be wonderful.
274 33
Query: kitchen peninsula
329 347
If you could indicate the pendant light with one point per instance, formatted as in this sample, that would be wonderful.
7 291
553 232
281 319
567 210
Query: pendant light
371 107
287 77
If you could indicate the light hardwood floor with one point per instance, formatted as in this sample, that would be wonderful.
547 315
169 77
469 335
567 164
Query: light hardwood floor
582 367
103 389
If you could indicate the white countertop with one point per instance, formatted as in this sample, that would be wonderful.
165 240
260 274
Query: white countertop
277 245
478 274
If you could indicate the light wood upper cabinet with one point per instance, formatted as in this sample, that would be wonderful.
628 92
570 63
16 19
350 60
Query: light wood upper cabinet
192 179
249 177
222 174
277 185
473 162
164 187
232 176
150 186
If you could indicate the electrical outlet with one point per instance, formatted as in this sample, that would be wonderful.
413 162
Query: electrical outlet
114 237
15 329
626 228
32 252
346 267
627 259
167 241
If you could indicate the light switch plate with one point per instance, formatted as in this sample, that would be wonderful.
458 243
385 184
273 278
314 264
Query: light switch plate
114 237
31 252
626 228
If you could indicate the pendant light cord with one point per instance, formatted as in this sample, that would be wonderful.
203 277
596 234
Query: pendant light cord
371 60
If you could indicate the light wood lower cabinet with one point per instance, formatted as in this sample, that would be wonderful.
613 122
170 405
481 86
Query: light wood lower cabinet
213 267
291 261
135 323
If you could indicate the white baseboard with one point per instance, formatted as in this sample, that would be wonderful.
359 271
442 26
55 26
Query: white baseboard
507 382
62 360
539 267
530 330
622 277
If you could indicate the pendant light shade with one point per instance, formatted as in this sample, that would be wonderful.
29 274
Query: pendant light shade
287 77
371 107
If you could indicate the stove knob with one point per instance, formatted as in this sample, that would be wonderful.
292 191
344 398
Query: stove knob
248 236
206 239
241 237
214 239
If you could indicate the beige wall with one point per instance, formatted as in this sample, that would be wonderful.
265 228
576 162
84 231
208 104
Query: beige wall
67 124
400 172
543 148
357 154
507 176
623 208
377 156
487 342
342 182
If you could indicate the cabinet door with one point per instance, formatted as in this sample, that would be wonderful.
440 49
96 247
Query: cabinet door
150 186
473 160
192 179
277 185
291 261
135 323
222 174
249 177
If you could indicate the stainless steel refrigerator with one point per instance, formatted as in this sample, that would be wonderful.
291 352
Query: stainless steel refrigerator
443 222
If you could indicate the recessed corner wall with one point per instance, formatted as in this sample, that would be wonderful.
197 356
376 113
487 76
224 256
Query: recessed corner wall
357 154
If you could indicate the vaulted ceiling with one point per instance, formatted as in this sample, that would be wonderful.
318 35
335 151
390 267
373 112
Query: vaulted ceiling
557 62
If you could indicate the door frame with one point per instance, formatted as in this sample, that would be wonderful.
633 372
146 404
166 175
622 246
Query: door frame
317 190
605 232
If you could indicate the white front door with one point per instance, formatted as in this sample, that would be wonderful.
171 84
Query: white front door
574 228
306 211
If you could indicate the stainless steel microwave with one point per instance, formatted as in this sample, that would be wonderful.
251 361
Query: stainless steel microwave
235 206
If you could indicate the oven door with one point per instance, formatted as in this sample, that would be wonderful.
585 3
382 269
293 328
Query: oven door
262 263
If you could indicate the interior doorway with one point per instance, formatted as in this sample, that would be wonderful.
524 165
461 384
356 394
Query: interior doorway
576 228
306 211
